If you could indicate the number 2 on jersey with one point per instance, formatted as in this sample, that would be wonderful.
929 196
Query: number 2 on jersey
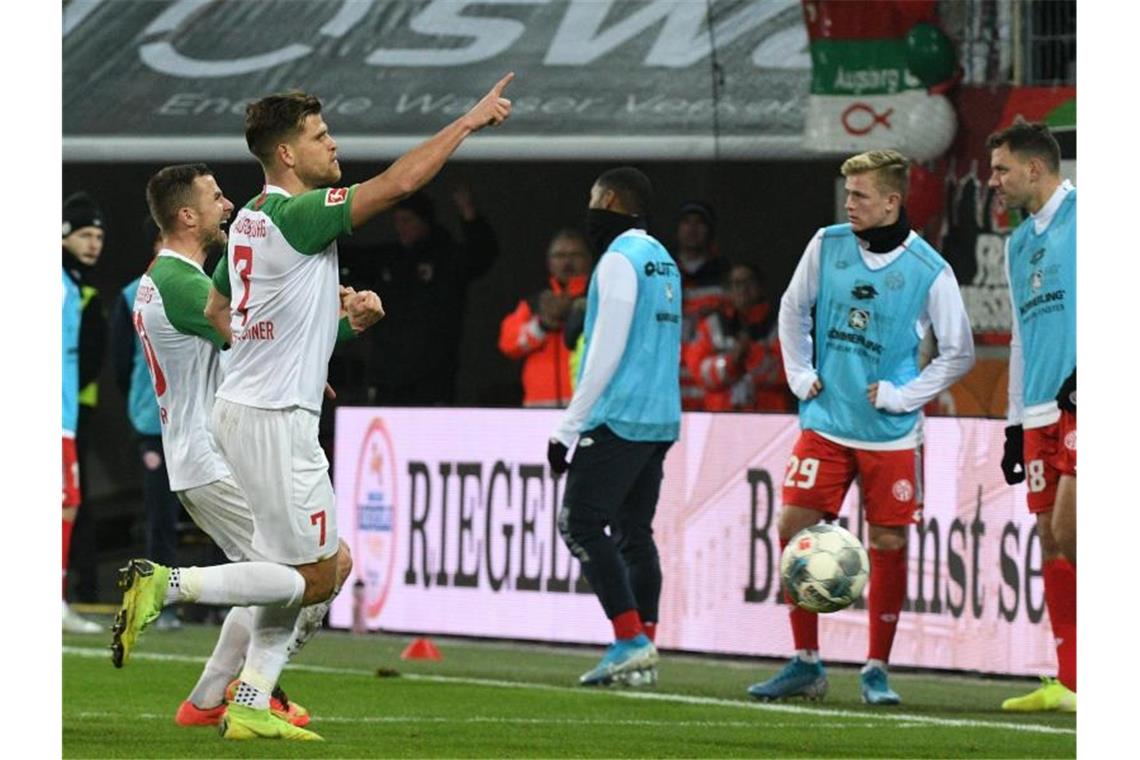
243 264
807 469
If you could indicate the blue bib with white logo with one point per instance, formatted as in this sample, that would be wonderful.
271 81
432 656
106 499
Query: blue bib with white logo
1043 284
142 407
865 332
642 401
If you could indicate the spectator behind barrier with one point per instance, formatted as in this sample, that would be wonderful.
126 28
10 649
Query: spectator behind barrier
703 273
533 331
735 356
422 279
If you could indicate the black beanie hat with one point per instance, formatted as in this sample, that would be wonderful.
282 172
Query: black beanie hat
80 211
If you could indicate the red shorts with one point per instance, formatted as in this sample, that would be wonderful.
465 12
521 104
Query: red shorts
1050 452
820 472
70 474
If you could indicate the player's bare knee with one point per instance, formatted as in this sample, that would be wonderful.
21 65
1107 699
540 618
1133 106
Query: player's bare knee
887 538
794 519
1050 549
320 580
343 563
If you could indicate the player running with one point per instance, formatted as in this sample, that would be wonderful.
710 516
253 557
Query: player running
1041 439
876 287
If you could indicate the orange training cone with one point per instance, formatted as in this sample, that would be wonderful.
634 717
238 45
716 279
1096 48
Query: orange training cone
421 649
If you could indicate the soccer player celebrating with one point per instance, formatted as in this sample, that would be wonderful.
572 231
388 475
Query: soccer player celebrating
182 352
282 273
876 287
1041 439
624 415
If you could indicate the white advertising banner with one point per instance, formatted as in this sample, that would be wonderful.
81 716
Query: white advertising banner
450 514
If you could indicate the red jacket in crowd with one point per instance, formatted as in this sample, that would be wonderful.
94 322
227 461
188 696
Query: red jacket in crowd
751 381
546 369
702 293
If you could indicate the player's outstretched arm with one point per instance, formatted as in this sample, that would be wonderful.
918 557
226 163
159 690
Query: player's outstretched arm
415 168
217 312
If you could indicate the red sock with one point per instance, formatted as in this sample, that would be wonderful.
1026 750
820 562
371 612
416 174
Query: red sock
1061 600
650 630
888 589
805 625
67 526
627 625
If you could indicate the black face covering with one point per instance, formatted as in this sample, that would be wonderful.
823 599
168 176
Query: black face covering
77 269
603 226
886 239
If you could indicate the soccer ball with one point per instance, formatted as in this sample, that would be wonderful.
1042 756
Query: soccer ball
824 568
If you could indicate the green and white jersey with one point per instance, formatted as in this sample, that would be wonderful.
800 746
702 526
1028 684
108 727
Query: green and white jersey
282 277
182 350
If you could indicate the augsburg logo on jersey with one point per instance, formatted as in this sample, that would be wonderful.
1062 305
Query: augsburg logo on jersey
335 196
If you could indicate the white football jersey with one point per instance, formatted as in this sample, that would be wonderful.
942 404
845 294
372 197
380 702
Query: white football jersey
182 351
282 277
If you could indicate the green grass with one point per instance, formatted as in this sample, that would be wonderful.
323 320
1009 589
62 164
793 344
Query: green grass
508 700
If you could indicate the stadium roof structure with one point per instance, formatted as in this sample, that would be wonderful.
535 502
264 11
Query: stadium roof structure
595 79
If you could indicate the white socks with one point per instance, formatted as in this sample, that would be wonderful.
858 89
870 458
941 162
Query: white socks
874 664
226 659
308 623
268 652
240 584
808 655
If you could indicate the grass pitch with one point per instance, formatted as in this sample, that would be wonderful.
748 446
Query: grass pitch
515 700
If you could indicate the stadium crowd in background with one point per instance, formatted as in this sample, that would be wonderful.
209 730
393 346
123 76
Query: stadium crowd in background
735 357
533 332
704 274
422 277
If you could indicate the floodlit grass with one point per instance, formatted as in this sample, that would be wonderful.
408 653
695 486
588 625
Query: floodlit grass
515 700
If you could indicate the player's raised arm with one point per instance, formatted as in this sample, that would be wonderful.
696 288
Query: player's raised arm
415 168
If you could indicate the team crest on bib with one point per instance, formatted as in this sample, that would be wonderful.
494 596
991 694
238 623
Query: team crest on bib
903 490
335 196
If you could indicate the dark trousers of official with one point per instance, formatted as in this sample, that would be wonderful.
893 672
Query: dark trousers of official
162 506
82 565
615 483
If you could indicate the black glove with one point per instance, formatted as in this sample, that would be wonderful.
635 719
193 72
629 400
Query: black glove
1013 461
556 452
1067 396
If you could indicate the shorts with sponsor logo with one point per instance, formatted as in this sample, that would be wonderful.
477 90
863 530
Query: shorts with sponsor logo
820 471
70 474
1050 452
276 460
221 510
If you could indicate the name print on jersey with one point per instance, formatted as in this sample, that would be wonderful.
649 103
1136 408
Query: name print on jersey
249 227
262 330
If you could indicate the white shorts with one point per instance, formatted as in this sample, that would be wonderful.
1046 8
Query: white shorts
220 508
276 459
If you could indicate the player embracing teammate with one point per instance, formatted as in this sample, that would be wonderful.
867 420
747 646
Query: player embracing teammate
275 506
